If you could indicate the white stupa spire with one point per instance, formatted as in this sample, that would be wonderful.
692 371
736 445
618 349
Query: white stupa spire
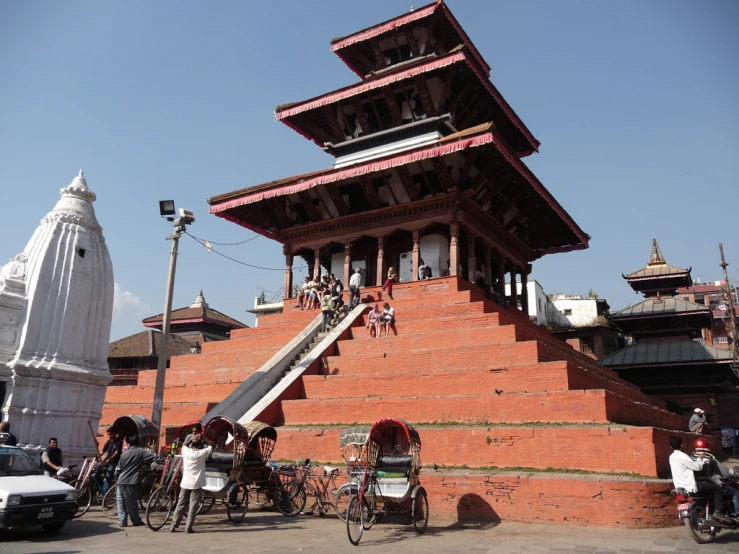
58 296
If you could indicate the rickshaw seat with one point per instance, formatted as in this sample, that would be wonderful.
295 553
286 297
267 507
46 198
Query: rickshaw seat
395 464
328 470
221 458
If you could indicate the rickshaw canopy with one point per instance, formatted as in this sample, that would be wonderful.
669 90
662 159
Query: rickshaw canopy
355 436
257 429
223 432
395 437
138 425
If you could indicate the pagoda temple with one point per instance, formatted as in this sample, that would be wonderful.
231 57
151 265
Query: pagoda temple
668 357
428 166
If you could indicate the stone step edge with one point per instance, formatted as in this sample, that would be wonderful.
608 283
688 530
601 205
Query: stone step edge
551 473
479 425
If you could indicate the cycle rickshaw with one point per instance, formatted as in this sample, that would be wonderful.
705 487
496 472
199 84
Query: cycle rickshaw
148 434
224 469
164 498
390 480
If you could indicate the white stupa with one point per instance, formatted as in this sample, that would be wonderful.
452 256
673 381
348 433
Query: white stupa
56 305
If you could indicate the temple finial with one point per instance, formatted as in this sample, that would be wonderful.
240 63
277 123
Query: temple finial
82 172
656 257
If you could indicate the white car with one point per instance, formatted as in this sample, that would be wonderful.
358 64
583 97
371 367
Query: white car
28 498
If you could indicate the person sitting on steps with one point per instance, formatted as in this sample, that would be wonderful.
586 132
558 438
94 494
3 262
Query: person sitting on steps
374 319
388 318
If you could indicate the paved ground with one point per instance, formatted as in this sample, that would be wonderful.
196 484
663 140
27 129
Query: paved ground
268 532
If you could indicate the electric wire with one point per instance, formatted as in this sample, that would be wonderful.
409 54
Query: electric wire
211 249
226 243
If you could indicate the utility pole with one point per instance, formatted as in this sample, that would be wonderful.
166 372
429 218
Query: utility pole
732 312
180 223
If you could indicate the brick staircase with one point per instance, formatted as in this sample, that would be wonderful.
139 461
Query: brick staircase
506 412
518 424
198 382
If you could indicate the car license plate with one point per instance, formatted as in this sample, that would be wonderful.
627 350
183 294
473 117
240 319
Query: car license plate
683 507
46 513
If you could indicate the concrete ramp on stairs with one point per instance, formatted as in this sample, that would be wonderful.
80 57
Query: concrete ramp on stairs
283 370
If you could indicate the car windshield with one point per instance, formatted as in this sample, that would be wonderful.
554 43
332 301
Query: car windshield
14 461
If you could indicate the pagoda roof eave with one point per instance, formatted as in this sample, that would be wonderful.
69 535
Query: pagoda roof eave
670 307
470 138
666 353
285 111
339 43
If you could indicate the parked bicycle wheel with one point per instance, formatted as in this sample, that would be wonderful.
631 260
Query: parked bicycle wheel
238 501
355 519
159 508
291 498
84 497
342 496
311 500
110 503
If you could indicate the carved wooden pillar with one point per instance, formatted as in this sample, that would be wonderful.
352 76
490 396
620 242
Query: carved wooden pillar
501 277
453 249
471 258
416 254
524 292
380 268
317 264
347 264
514 286
288 272
487 270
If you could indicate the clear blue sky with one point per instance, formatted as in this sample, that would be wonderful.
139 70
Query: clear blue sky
635 104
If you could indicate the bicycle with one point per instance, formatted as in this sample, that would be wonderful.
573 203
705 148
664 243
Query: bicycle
86 485
321 488
164 498
145 488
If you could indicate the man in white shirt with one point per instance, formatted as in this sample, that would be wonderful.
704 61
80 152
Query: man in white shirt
683 467
194 453
354 284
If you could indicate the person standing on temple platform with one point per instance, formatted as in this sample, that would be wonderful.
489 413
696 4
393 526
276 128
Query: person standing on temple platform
325 311
354 284
337 287
5 428
52 458
392 277
129 475
697 422
194 453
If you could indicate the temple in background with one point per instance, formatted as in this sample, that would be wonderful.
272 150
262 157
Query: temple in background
668 357
190 328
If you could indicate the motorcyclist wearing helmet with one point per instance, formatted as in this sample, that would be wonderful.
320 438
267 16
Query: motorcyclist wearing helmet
684 469
716 472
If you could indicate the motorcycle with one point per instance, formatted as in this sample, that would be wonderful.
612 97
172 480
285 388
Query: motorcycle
697 513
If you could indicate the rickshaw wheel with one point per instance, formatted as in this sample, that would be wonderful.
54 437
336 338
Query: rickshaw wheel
238 500
84 498
145 489
159 508
110 503
420 511
290 498
355 520
207 503
261 498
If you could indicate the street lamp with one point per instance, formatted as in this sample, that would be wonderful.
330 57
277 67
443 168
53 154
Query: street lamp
186 217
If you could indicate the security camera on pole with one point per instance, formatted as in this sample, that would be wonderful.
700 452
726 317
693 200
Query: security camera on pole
186 217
